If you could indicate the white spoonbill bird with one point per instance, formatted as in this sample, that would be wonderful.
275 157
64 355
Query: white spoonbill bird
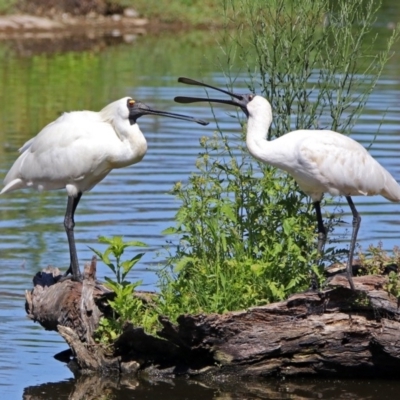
321 161
78 150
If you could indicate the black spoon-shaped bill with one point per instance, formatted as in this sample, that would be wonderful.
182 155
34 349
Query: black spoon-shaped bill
138 109
189 81
187 100
239 100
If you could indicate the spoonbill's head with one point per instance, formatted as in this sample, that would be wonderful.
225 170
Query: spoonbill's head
249 103
130 109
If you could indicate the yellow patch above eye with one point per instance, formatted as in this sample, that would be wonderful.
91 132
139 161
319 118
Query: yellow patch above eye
131 102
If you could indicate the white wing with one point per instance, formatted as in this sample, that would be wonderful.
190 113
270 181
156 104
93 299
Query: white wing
334 163
66 151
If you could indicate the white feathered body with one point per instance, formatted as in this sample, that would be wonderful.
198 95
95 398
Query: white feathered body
77 151
320 161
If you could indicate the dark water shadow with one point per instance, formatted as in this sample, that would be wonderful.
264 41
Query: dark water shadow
28 47
97 387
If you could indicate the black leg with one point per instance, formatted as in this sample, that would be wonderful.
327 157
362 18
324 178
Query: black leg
69 224
321 227
356 226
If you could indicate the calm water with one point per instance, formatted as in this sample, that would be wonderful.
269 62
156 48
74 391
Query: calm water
134 202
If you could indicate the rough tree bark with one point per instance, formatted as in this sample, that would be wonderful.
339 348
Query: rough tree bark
334 333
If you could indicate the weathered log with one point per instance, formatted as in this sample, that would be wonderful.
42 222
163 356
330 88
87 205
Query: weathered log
55 301
72 309
335 332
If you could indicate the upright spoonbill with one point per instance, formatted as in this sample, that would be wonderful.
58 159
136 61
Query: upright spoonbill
78 150
321 161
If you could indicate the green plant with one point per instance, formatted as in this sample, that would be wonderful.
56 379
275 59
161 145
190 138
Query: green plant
377 261
393 285
374 260
125 305
312 76
246 233
117 247
240 244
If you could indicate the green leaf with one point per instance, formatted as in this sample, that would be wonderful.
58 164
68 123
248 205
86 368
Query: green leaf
223 240
136 243
137 258
228 210
97 252
182 263
292 283
112 284
129 264
104 258
257 268
287 226
169 231
104 239
126 267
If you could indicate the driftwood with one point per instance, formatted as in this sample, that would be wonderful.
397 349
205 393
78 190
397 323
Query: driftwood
335 332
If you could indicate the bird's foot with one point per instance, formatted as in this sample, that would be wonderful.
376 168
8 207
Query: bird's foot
71 277
64 278
69 274
78 278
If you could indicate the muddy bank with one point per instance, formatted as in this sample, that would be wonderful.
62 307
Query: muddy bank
28 26
29 35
